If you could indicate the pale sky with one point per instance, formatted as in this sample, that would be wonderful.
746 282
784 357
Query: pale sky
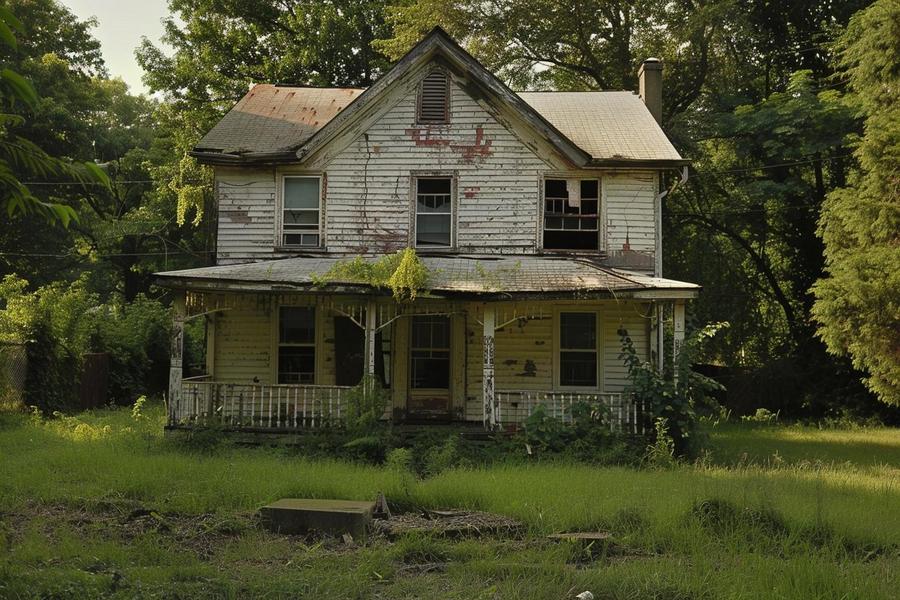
122 24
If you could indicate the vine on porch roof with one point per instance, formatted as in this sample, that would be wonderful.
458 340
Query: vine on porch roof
403 272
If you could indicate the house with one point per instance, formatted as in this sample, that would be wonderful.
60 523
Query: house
536 215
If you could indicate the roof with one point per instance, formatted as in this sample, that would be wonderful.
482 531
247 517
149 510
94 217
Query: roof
286 124
505 276
606 125
273 119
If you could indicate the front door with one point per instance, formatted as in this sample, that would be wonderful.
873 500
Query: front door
429 382
349 351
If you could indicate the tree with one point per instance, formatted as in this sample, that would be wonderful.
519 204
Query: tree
21 158
858 303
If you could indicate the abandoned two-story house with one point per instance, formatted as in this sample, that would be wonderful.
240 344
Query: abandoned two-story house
536 215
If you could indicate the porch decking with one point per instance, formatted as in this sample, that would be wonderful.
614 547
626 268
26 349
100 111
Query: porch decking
298 408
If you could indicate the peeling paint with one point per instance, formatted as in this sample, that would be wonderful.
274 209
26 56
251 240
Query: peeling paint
236 216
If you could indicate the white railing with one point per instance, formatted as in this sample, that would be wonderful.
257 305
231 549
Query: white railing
259 406
620 411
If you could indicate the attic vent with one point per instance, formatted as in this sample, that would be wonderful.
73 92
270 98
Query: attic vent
434 98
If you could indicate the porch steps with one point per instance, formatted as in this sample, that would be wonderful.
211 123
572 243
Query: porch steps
304 515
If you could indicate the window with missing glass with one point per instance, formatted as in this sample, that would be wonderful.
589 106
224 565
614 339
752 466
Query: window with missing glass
301 214
571 214
296 344
430 352
434 212
578 349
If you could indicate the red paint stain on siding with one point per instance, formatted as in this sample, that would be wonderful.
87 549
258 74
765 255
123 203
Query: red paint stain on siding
481 147
471 192
423 137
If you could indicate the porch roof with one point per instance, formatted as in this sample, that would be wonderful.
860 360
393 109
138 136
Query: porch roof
468 275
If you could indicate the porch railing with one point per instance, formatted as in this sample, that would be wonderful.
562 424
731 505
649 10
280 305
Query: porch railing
620 411
265 406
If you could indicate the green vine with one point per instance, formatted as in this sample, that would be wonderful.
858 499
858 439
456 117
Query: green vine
404 273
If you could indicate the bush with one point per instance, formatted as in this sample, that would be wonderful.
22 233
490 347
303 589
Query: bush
675 395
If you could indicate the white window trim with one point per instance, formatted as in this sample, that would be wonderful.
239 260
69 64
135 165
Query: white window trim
601 209
279 212
414 211
557 335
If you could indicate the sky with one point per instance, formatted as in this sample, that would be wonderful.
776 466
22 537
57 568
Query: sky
122 24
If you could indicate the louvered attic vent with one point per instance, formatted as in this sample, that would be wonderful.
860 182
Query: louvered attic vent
434 101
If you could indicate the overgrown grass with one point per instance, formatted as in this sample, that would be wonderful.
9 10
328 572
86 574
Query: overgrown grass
820 520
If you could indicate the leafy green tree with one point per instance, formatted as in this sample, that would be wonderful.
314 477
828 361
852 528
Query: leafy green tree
858 302
21 158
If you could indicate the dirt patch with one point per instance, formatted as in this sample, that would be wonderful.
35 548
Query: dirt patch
450 524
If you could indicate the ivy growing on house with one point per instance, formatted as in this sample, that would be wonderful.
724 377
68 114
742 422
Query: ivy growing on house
403 273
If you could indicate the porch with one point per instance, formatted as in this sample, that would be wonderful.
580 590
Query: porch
484 345
298 408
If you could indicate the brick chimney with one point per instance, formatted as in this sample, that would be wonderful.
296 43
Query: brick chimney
650 81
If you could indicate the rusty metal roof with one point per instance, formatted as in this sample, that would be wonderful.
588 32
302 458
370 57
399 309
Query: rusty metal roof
606 125
273 119
448 275
592 129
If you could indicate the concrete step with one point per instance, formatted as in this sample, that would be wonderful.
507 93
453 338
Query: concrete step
304 515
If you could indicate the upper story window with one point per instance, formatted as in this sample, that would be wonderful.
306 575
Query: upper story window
571 214
434 212
434 99
301 210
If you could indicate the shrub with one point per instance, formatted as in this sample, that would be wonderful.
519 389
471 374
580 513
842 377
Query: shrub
675 395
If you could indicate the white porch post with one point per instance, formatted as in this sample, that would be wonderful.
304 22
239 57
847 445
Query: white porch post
660 335
678 331
487 369
177 350
371 319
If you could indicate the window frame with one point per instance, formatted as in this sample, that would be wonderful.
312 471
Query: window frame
599 216
280 225
597 350
415 177
447 100
278 344
413 348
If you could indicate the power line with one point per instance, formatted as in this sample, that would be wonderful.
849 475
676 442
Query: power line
112 255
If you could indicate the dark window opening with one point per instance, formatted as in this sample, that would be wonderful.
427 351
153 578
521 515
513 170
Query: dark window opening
571 214
430 353
296 345
434 99
434 212
578 349
350 353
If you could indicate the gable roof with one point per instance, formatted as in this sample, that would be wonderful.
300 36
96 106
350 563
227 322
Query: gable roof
274 120
274 124
607 125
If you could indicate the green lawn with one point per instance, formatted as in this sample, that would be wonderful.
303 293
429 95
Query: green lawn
775 512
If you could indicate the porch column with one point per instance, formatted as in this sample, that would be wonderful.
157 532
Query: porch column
371 318
487 369
678 331
177 349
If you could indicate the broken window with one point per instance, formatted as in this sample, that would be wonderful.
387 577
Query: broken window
430 353
434 212
296 344
434 99
300 221
571 214
578 349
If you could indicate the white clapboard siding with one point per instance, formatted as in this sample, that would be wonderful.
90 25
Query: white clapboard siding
630 210
369 185
368 189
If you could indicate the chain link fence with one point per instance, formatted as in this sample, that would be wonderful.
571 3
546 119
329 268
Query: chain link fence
13 369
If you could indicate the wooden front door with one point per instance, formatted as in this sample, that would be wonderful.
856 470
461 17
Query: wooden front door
429 369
